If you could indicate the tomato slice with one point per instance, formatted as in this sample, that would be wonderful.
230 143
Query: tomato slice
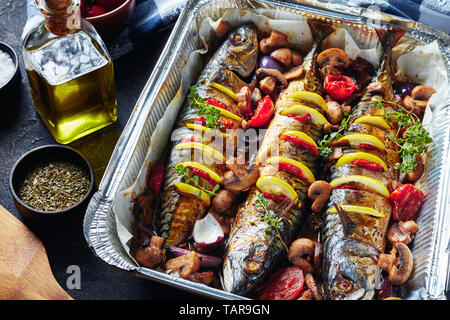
368 165
227 124
285 284
275 197
216 103
263 112
339 87
406 202
301 143
305 119
290 168
367 146
203 174
155 179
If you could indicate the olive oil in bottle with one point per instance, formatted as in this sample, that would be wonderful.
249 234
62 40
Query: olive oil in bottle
70 72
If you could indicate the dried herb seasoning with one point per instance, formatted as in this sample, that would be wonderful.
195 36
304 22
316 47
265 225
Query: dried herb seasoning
54 185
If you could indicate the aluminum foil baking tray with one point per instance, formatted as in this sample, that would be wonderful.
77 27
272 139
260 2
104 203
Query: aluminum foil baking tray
431 247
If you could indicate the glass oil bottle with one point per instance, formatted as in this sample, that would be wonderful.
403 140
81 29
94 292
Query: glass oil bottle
70 72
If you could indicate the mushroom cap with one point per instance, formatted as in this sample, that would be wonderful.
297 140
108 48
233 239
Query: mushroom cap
335 57
276 74
401 270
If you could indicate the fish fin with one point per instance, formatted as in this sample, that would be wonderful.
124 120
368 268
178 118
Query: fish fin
320 29
389 37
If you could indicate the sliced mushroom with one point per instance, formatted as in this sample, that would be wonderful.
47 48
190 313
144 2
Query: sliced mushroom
334 57
319 191
295 72
185 265
328 69
301 254
283 55
416 106
243 100
297 58
275 41
268 85
151 255
398 263
423 93
403 232
376 88
276 74
244 176
223 200
334 112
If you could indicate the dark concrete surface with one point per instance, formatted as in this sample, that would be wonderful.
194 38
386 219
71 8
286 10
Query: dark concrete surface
21 130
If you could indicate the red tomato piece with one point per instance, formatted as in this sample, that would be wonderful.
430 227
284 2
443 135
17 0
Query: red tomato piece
216 103
285 284
367 146
290 168
228 124
301 143
201 119
156 178
263 112
275 197
339 87
348 186
305 119
190 139
368 165
406 202
203 174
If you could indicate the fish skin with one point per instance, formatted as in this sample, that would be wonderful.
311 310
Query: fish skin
352 243
251 254
235 58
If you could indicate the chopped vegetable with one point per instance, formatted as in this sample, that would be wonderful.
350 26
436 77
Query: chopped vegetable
339 87
406 201
263 113
285 284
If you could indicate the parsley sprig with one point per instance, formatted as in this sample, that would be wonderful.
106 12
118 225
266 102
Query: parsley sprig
211 114
274 223
324 150
411 138
189 177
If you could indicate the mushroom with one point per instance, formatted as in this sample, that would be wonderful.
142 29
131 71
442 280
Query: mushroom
403 232
268 85
417 106
202 277
275 41
334 57
398 263
319 191
243 100
242 178
295 72
304 254
412 177
256 96
276 74
312 285
334 112
422 93
151 255
283 55
297 58
186 265
223 28
376 88
223 200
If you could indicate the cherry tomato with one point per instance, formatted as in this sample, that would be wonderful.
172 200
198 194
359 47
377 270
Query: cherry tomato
95 11
109 5
285 284
406 202
339 87
156 178
263 112
368 165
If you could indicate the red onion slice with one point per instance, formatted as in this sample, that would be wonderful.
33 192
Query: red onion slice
207 231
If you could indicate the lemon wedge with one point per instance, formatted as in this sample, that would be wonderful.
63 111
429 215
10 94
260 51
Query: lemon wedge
196 192
304 169
224 89
197 165
274 185
350 157
356 139
228 114
300 109
204 148
358 209
301 135
368 183
310 97
375 121
194 126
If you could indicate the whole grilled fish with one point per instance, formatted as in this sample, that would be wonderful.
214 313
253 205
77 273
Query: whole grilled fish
251 251
235 59
352 242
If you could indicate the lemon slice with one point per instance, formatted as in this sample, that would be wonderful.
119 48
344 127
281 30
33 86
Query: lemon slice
356 139
375 121
368 183
206 149
224 89
228 114
300 109
275 185
301 135
349 157
196 192
358 209
194 126
310 97
197 165
304 169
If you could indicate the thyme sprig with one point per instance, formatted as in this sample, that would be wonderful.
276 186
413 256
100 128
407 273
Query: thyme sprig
411 137
189 177
274 223
324 150
211 114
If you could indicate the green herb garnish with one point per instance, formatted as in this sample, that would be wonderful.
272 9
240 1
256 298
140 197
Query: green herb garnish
324 150
274 223
189 177
209 112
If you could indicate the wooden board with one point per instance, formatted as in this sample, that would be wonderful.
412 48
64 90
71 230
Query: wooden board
25 272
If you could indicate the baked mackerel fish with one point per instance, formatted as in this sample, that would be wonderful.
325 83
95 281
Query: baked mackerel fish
199 147
288 163
358 211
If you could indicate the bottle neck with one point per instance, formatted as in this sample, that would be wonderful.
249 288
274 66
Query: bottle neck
61 16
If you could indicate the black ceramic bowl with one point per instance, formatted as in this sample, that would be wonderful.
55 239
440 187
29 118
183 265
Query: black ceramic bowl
12 83
45 153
